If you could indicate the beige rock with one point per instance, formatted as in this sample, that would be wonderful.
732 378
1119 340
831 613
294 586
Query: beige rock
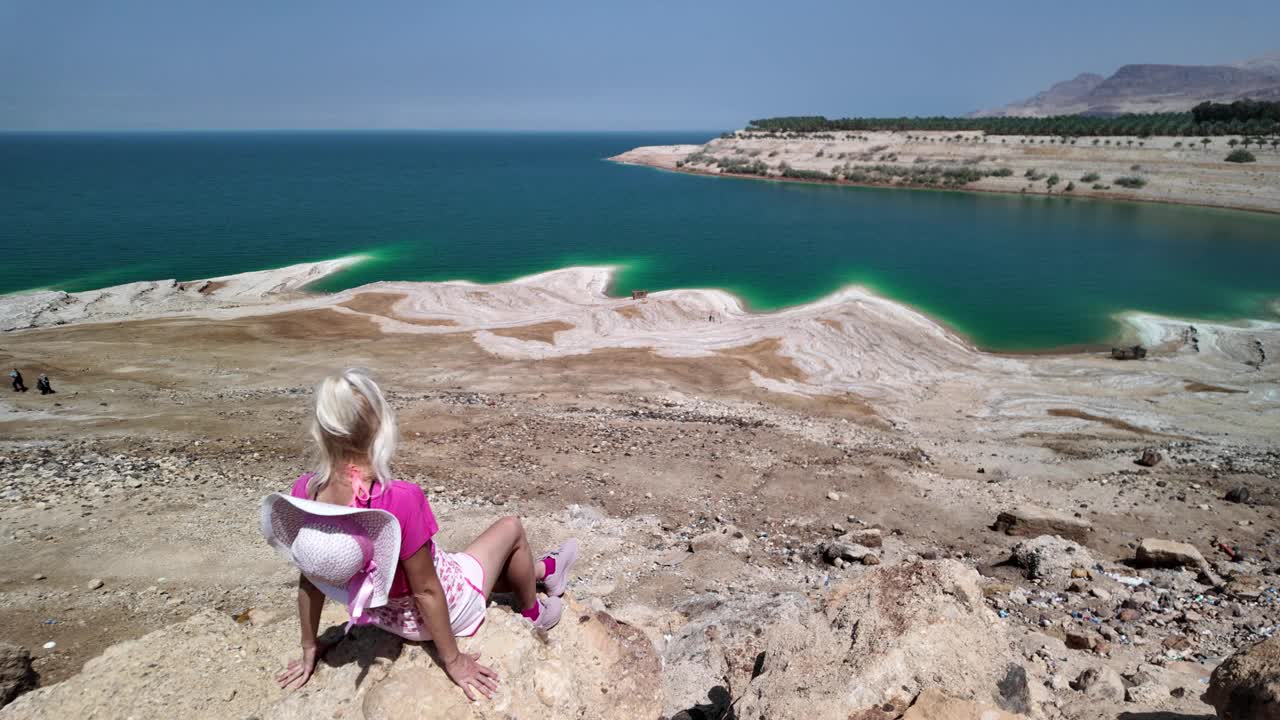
1147 694
867 537
893 631
934 705
1247 684
1051 557
590 665
1031 521
1153 552
1101 683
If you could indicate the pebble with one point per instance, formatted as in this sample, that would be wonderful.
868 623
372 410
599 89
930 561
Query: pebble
833 495
95 583
38 576
50 645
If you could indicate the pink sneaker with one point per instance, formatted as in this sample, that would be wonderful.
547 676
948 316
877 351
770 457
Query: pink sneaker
565 556
549 610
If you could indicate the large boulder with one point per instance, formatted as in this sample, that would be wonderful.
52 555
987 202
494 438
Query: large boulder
1050 557
1031 521
1247 684
16 673
590 665
879 638
1153 552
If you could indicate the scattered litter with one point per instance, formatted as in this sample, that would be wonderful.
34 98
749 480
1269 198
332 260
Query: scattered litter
1129 580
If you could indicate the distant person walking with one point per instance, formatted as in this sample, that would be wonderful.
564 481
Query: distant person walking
18 385
42 384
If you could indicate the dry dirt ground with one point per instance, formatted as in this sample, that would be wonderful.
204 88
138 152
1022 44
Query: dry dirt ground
145 469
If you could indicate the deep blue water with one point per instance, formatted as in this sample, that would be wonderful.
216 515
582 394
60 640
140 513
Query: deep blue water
1012 272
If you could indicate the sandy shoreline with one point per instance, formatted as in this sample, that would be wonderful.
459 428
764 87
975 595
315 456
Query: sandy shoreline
1174 175
849 343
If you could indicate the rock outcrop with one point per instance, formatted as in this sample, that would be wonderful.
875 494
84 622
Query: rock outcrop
878 639
16 673
591 665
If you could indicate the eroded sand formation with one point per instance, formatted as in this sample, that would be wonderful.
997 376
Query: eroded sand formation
787 513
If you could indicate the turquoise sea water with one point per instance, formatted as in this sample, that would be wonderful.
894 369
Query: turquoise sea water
1011 272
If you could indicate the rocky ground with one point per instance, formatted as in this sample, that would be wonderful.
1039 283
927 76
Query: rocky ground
748 553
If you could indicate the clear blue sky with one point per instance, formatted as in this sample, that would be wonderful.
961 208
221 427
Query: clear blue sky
590 64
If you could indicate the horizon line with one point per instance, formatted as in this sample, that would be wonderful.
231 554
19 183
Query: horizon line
142 131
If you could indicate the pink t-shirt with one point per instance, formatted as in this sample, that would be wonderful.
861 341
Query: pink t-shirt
409 505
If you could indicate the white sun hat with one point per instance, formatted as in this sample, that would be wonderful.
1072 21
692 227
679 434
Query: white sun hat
350 554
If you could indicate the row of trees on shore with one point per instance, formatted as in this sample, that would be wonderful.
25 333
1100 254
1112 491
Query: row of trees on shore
1208 119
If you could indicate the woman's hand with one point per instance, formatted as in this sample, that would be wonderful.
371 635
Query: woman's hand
299 671
468 674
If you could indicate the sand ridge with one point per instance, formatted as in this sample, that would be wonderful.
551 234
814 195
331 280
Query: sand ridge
851 343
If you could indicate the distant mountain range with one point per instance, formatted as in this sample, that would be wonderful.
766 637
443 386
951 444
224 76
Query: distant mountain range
1151 88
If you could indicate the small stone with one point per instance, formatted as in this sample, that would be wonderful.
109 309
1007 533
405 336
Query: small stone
870 537
95 583
438 489
38 576
833 495
1099 593
1238 495
1078 641
1150 457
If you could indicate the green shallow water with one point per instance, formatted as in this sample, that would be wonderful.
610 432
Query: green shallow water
1011 272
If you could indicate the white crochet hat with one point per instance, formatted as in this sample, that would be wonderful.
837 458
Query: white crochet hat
350 554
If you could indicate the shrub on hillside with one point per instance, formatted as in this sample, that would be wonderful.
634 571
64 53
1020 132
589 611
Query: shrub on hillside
790 172
1090 177
1241 156
1132 182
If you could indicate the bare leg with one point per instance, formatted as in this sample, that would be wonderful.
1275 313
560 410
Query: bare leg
503 552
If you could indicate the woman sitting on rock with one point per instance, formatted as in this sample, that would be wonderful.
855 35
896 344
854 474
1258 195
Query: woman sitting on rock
364 539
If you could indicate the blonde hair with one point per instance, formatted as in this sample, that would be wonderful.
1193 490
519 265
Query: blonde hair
352 419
